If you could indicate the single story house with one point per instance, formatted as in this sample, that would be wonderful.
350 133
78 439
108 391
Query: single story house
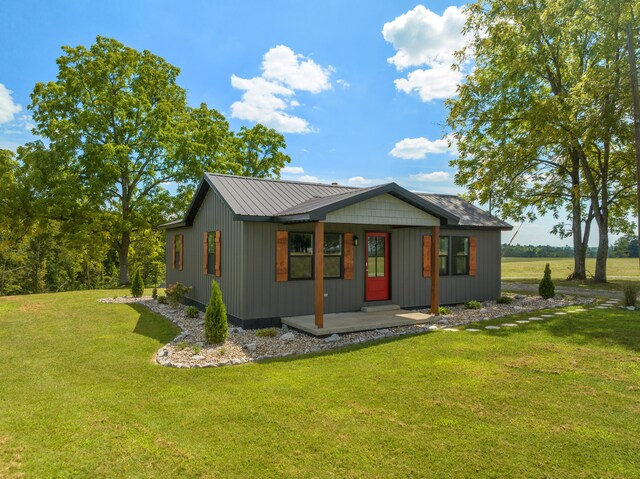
288 248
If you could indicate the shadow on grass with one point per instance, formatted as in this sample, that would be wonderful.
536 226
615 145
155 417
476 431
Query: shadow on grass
153 325
602 327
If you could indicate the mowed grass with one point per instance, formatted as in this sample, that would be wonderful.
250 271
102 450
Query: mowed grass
81 397
619 271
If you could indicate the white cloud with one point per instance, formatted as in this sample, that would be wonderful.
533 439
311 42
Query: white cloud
266 97
419 148
8 108
432 84
342 82
422 37
435 177
309 179
292 170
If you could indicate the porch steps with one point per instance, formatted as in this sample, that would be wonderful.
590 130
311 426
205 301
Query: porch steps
379 307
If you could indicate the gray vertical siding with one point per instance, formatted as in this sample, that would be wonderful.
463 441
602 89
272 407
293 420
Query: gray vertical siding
213 215
410 289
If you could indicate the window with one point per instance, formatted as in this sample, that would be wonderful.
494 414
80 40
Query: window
300 255
211 252
333 255
375 255
460 254
444 255
177 252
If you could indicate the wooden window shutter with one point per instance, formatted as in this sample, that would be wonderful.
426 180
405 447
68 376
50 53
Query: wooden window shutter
282 255
472 256
217 253
348 256
173 252
205 257
181 250
426 256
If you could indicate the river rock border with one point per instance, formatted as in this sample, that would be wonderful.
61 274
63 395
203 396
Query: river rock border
190 350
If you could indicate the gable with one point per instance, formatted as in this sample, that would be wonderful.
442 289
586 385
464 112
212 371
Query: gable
382 210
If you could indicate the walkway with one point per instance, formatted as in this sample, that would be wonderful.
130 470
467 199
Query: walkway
533 287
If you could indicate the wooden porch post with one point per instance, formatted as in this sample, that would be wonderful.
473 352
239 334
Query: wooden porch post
319 273
435 270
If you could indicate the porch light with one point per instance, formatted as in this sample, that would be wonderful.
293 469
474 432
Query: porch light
355 241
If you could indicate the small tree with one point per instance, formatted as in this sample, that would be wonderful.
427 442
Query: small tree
137 286
547 289
215 318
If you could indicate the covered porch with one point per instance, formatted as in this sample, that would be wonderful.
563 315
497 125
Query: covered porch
357 321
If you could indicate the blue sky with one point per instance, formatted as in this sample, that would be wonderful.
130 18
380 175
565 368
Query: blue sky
357 105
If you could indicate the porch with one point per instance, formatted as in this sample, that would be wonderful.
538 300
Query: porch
356 321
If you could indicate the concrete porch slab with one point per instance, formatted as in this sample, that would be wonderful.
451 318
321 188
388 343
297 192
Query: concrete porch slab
357 321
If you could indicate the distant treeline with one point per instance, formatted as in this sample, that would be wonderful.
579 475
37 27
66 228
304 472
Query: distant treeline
624 247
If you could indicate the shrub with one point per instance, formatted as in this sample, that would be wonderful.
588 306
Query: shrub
162 299
196 349
221 351
154 293
215 318
177 292
182 345
191 312
472 305
547 289
504 300
631 294
442 310
137 286
266 333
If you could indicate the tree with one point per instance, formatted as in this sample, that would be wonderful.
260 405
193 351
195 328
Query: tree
215 318
137 286
118 128
546 289
532 123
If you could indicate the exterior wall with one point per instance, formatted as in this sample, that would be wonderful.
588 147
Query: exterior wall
410 289
213 215
266 298
382 210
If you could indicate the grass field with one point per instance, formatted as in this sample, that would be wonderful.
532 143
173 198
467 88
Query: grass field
81 397
619 270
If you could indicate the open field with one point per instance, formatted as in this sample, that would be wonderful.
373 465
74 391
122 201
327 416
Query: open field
81 397
619 270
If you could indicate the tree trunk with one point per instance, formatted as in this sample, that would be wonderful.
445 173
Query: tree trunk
603 250
579 247
123 257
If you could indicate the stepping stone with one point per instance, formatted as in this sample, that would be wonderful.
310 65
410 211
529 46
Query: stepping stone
492 327
546 316
613 301
433 327
535 319
522 321
509 325
450 329
602 307
473 330
560 313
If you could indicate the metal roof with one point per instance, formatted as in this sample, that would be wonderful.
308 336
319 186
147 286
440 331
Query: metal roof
264 199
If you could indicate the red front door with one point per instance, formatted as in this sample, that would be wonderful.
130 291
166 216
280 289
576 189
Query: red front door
377 267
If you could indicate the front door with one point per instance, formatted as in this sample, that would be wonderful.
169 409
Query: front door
377 267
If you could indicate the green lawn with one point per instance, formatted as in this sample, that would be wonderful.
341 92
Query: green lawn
81 397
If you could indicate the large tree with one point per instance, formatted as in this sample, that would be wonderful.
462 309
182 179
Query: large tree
529 122
118 130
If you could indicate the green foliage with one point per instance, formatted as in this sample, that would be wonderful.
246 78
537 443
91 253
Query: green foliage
154 293
473 304
630 292
266 333
222 351
546 289
191 312
182 345
137 286
162 299
442 310
215 318
504 300
197 349
176 292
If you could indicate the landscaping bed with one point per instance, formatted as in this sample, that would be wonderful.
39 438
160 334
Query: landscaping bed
190 349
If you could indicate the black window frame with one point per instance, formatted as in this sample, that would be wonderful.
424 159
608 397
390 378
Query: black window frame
211 265
177 250
447 263
313 255
341 235
452 256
